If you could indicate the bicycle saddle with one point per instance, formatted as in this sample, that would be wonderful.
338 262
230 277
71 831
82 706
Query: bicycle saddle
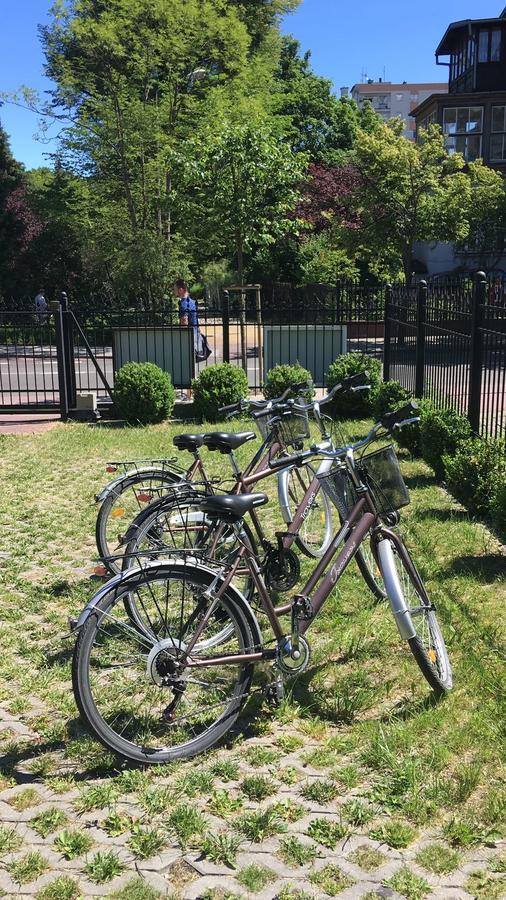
189 442
225 441
232 506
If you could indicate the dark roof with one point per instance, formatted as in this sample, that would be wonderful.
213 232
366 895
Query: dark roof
447 42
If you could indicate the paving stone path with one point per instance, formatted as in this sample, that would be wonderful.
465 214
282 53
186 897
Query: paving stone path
179 873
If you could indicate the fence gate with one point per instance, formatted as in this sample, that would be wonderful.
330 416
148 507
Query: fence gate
28 362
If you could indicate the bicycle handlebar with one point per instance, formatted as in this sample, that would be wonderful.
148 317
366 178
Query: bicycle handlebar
244 404
397 419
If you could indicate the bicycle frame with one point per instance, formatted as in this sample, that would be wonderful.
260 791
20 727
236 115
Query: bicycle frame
359 522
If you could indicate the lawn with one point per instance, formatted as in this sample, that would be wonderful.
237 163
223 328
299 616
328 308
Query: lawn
359 779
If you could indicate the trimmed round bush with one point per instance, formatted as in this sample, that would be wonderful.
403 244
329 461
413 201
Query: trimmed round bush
143 393
218 385
474 473
390 396
361 403
279 378
441 431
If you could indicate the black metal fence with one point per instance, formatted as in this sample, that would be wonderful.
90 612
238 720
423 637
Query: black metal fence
445 339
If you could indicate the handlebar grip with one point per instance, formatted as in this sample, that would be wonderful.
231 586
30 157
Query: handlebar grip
230 408
281 462
261 413
358 380
409 411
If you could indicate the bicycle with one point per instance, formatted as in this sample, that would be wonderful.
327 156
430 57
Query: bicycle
143 481
157 695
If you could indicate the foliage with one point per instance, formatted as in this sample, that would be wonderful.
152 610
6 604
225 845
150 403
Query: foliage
410 436
239 184
389 396
441 430
218 385
317 122
360 403
280 377
474 472
498 506
144 393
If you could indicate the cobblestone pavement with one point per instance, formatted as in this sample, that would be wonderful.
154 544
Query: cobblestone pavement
183 873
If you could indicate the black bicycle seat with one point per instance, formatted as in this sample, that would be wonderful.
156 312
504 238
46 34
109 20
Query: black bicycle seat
225 441
189 442
232 506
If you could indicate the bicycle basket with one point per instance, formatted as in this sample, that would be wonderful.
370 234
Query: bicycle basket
382 474
264 426
293 426
339 489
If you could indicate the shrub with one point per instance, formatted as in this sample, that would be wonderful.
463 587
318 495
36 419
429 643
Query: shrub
279 378
410 436
389 396
144 393
218 385
360 403
474 473
441 430
498 506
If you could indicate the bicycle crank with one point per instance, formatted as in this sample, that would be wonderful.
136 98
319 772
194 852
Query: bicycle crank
291 661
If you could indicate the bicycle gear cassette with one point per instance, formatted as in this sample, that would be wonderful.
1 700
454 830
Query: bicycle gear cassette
282 570
293 662
162 662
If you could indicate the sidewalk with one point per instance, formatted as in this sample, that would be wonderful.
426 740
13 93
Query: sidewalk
27 422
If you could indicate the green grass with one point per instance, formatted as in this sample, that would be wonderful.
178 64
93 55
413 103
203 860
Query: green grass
28 868
409 884
361 715
254 878
221 848
63 888
103 867
367 858
438 859
48 821
326 831
295 853
331 879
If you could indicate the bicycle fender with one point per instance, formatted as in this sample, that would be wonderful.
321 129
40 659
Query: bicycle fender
157 506
121 480
394 590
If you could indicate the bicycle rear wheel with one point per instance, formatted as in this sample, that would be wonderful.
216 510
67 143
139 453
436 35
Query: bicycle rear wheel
415 614
137 692
124 502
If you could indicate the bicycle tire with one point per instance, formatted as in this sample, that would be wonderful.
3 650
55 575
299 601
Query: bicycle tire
164 480
115 729
427 643
147 521
367 565
298 481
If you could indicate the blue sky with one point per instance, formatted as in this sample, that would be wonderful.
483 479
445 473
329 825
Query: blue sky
394 38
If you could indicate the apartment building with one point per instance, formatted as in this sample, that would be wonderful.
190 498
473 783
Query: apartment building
391 100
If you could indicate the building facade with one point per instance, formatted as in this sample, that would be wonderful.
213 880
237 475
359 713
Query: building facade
472 111
392 100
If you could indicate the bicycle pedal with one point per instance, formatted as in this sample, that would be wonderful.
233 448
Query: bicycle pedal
275 693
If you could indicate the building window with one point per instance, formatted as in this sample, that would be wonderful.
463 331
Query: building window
489 46
463 128
498 135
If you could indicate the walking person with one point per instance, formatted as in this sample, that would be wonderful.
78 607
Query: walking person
188 316
41 307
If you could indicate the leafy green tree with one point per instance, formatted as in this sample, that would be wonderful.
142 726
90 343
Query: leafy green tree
316 121
242 183
11 212
404 192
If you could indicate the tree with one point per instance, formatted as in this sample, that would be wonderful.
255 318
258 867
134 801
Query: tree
12 210
403 192
316 121
244 184
487 215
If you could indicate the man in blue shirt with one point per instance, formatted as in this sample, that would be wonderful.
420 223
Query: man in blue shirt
187 307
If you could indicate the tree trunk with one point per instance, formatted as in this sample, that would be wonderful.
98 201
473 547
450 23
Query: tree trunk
242 301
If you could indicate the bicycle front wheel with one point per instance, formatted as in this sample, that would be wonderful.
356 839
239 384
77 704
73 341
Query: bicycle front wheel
138 693
415 614
315 531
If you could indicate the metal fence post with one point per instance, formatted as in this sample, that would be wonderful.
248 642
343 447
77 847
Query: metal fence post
479 299
57 311
387 332
68 344
226 326
421 318
338 302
